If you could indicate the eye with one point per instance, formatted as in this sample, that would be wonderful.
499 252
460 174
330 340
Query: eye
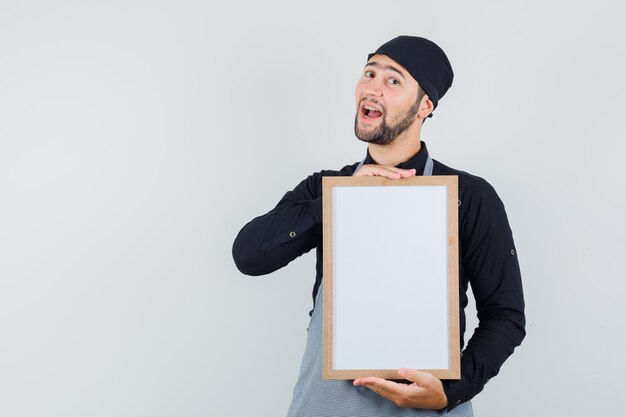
393 81
368 74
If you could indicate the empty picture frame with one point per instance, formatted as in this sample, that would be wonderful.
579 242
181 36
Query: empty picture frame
390 287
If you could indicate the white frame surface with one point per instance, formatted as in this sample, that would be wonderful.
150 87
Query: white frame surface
390 276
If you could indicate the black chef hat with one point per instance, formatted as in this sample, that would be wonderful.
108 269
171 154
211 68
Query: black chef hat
424 60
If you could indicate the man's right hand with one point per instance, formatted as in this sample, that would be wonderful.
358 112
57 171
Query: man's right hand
371 170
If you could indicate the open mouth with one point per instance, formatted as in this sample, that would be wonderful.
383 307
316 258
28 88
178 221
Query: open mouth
370 111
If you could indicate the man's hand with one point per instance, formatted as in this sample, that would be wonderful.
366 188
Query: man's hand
426 391
371 170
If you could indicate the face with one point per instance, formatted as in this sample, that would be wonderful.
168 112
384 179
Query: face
386 99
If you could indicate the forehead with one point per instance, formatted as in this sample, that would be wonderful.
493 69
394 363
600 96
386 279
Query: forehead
383 62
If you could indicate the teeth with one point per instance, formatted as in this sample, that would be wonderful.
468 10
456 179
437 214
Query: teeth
371 108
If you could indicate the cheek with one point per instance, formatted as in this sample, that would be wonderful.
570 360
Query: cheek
357 95
404 102
357 90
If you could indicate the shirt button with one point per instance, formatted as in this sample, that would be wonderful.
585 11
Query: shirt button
292 234
512 251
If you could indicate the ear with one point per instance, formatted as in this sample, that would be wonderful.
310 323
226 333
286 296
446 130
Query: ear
426 107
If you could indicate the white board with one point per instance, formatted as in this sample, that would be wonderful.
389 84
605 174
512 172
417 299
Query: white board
387 282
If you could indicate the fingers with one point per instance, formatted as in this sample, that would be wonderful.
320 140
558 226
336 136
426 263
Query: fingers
370 380
390 390
384 171
413 375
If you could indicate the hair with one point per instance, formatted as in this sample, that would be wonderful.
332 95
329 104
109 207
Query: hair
420 95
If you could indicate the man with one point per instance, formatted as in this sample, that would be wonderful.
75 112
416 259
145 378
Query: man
400 87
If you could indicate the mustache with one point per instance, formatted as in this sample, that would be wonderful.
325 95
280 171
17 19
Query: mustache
375 101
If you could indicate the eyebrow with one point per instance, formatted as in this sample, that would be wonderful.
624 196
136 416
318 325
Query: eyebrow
385 67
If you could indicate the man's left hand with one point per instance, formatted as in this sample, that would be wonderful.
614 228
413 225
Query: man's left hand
426 391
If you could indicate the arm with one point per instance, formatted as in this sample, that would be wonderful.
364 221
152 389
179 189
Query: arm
290 229
489 260
294 226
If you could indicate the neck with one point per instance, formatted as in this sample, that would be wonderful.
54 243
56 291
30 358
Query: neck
403 148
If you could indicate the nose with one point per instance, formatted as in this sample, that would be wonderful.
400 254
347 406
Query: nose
373 87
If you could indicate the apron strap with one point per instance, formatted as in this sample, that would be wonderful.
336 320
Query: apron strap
428 169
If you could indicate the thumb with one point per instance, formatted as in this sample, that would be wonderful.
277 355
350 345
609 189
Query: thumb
413 375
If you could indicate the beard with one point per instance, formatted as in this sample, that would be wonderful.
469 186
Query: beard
386 133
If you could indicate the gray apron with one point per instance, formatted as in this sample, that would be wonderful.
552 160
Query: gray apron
316 397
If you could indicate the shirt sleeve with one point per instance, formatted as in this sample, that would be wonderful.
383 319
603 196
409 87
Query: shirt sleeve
489 261
290 229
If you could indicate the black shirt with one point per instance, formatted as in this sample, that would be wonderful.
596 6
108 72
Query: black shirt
487 261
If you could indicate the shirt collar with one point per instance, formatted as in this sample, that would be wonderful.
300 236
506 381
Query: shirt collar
417 161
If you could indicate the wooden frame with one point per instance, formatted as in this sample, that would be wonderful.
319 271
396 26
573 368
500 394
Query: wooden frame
372 314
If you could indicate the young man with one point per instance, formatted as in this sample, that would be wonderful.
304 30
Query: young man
400 87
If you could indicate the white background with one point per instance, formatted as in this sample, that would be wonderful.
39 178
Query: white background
138 137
